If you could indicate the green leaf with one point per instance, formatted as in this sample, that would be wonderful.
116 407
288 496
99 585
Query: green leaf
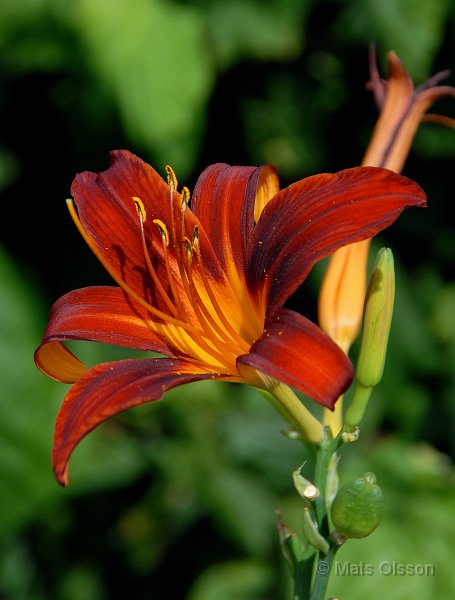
32 35
153 57
261 30
412 28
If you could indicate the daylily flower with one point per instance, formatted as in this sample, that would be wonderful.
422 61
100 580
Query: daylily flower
205 286
403 107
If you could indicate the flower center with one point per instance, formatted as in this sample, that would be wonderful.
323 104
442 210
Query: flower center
196 322
208 319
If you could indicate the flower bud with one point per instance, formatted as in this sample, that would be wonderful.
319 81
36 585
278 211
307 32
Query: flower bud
358 507
377 320
311 532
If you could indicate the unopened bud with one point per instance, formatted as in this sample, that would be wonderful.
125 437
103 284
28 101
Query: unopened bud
358 507
311 532
377 320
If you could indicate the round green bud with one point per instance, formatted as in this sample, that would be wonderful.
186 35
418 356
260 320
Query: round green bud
358 507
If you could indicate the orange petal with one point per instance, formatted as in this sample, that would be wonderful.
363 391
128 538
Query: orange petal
110 388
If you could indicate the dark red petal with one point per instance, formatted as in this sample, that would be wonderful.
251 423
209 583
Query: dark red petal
110 388
294 350
109 215
223 201
98 314
312 218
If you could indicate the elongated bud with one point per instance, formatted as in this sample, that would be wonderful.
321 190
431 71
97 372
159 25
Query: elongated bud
377 320
358 507
311 532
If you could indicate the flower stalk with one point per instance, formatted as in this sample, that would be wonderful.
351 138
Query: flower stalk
296 412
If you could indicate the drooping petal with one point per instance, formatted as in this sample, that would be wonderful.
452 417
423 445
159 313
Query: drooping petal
312 218
294 350
98 314
224 201
110 388
56 361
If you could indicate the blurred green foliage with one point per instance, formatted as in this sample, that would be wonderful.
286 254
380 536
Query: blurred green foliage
176 500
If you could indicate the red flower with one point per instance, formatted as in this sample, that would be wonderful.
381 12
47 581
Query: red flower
206 286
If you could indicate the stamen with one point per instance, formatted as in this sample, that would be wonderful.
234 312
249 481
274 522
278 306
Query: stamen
171 178
185 198
170 277
229 334
141 211
140 208
110 269
252 317
208 342
214 348
182 250
188 247
163 230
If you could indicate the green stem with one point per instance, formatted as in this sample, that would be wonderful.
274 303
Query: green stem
325 452
323 564
356 409
302 579
308 568
294 409
323 569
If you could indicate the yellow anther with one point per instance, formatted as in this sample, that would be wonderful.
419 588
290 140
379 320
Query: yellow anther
140 208
188 246
171 178
185 197
163 230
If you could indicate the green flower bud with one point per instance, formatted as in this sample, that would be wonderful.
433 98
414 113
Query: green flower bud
358 507
311 532
377 320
